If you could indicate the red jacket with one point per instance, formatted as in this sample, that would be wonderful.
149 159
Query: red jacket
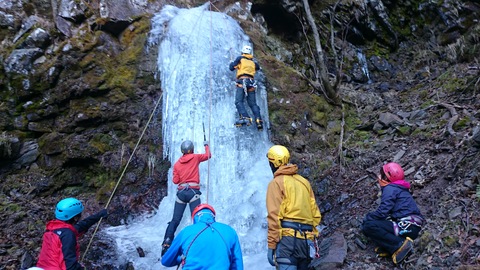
185 169
60 249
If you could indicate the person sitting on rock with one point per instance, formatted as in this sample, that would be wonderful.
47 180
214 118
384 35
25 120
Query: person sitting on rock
60 248
397 220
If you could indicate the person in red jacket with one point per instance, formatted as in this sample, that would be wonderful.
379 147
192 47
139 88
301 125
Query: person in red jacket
187 177
60 248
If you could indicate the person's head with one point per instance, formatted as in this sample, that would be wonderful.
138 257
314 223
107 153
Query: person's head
69 210
202 209
278 155
391 172
247 49
187 147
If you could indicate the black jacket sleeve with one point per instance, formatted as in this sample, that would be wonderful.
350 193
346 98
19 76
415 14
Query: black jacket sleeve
83 225
69 250
235 63
257 66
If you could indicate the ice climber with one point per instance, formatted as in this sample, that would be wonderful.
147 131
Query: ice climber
186 175
246 68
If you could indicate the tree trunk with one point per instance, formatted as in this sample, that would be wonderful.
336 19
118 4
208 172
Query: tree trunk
322 75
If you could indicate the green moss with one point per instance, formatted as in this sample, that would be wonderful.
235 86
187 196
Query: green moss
462 123
323 164
427 104
101 142
320 118
450 241
404 130
121 71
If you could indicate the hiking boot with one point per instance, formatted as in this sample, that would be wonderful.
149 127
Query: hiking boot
166 244
259 123
405 249
381 252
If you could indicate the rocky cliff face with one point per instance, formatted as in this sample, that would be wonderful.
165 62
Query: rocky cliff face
77 78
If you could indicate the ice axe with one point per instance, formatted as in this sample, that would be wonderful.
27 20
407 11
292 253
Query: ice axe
204 136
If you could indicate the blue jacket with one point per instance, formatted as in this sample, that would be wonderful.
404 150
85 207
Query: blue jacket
205 245
397 202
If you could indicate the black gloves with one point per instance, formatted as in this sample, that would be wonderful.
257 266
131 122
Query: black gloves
270 256
205 143
103 213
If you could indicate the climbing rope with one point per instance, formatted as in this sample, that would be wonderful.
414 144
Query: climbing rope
123 172
134 150
210 97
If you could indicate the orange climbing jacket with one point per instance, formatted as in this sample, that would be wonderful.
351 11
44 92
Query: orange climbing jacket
245 66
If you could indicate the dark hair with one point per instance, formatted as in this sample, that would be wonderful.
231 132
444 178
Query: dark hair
383 176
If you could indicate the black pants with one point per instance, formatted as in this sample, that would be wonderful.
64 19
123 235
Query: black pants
184 197
383 234
293 253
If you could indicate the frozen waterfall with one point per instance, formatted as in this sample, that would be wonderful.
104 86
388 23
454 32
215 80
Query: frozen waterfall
195 47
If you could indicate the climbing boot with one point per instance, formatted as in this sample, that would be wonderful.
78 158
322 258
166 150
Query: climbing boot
382 253
259 123
243 121
166 244
405 249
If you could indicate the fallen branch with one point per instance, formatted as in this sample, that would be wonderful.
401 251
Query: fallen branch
452 120
359 179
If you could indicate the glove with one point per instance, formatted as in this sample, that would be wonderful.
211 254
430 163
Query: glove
103 213
205 143
270 256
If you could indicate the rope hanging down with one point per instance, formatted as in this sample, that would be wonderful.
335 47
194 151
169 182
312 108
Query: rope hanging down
134 150
123 172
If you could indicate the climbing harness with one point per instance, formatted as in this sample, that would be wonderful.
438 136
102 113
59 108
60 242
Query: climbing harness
401 227
305 231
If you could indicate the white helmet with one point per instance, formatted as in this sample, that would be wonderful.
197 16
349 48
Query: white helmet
35 268
247 49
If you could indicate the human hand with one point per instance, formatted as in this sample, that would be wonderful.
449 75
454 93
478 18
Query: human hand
205 143
103 213
270 256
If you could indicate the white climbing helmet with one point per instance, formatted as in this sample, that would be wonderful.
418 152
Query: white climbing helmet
247 49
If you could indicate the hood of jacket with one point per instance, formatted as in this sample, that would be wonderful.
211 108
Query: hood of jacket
289 169
186 158
58 224
205 216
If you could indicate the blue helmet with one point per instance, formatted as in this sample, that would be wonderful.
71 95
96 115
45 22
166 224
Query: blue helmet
68 208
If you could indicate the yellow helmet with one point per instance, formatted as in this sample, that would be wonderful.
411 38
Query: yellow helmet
278 155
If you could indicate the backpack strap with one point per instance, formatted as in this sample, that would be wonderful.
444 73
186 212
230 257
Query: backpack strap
184 258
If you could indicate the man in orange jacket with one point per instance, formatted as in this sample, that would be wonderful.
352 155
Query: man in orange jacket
293 214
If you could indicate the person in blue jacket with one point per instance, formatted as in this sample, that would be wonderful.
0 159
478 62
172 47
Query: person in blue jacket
206 244
397 220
